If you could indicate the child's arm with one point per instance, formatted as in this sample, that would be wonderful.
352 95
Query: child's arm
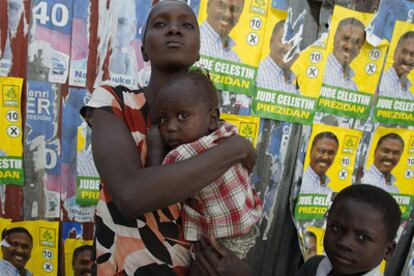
156 147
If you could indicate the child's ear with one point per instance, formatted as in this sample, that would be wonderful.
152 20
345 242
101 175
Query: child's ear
389 250
214 119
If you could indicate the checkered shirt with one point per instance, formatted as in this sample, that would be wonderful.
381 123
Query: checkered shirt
227 207
394 87
8 269
334 74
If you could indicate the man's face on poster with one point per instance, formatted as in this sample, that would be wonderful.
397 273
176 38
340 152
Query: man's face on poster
223 15
19 251
278 49
348 41
322 155
387 155
404 57
82 263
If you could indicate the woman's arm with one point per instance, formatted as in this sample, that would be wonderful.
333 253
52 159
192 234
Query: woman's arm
136 190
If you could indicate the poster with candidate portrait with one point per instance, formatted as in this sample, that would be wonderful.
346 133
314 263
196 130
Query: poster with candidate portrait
231 34
277 95
352 68
329 166
119 32
44 252
49 43
390 165
79 43
74 258
42 148
13 37
395 102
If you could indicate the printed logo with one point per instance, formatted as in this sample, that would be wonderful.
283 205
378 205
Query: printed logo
350 144
10 96
47 237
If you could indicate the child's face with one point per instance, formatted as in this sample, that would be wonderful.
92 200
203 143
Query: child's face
356 238
182 117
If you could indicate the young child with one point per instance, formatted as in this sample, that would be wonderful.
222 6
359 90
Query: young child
362 223
188 121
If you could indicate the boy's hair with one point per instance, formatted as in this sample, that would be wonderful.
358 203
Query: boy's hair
204 87
7 232
378 199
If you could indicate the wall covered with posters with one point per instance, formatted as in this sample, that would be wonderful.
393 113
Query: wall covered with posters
286 94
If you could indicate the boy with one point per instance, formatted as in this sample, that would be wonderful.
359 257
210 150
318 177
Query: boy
362 223
188 120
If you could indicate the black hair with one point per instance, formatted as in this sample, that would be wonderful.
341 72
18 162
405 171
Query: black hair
80 249
404 37
351 21
325 134
205 88
277 26
378 199
7 232
391 136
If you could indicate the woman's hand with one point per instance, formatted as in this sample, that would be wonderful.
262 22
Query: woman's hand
241 144
212 258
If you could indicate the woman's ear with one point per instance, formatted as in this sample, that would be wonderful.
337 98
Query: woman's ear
144 54
214 119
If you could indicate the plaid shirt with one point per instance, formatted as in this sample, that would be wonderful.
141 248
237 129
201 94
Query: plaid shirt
228 206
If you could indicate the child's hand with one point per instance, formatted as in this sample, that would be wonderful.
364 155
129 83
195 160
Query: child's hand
245 147
156 147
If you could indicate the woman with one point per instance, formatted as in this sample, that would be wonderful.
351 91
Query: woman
132 238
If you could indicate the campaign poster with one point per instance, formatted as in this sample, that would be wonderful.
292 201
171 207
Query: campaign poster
13 37
87 180
352 68
329 166
76 253
11 134
119 32
79 43
311 241
50 38
42 151
395 102
277 95
248 126
390 165
45 246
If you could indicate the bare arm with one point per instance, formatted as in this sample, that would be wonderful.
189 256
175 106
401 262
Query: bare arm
136 190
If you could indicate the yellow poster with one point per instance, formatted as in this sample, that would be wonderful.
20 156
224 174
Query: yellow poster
390 164
11 147
248 126
312 241
395 104
78 256
352 68
43 253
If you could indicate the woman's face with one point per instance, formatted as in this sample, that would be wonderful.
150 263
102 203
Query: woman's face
172 38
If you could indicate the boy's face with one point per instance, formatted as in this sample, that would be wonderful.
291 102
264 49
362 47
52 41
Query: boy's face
356 238
182 117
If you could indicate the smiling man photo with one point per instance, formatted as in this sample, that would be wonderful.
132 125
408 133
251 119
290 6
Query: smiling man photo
323 151
387 154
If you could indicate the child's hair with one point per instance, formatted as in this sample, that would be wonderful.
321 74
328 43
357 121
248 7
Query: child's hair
378 199
204 88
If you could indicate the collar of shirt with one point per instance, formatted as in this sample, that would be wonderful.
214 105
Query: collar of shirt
279 71
381 176
7 266
315 177
336 66
325 268
214 36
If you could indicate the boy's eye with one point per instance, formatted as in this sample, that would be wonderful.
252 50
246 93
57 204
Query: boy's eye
188 25
182 115
163 121
363 237
336 228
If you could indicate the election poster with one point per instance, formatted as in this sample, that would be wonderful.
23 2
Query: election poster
49 43
119 32
352 67
395 102
390 165
277 95
11 134
78 256
44 241
42 150
248 126
14 16
311 241
329 166
79 43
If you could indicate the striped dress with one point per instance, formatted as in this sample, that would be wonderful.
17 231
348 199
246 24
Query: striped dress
153 243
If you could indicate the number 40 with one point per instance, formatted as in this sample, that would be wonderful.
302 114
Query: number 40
59 15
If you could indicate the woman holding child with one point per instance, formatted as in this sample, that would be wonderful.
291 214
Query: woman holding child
138 226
